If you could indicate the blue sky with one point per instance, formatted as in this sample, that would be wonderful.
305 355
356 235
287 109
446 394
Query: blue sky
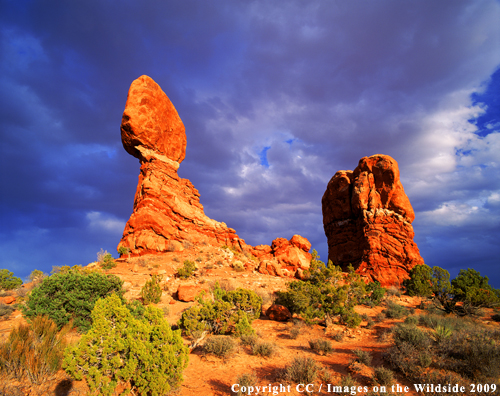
275 96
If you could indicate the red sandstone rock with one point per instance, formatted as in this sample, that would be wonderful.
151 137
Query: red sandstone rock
289 255
301 243
187 293
167 209
8 299
279 313
367 219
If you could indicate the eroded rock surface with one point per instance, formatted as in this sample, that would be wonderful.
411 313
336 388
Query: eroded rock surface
367 220
167 209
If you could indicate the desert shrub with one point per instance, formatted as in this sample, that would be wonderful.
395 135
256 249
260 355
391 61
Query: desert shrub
338 336
151 291
404 357
228 312
383 376
220 346
70 295
412 320
122 349
243 327
8 281
265 349
322 295
294 332
442 333
249 339
33 351
37 276
107 262
187 270
394 311
424 359
473 354
473 290
245 300
419 283
369 323
363 357
238 266
302 370
122 250
321 346
411 334
348 382
5 311
495 317
375 293
245 381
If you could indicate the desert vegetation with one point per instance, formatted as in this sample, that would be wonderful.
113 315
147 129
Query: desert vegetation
432 331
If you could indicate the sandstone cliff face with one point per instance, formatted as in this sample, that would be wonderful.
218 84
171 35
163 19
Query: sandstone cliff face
367 220
167 209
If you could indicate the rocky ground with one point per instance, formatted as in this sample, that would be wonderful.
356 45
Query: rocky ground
208 375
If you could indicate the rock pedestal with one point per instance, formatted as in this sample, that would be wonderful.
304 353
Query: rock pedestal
167 209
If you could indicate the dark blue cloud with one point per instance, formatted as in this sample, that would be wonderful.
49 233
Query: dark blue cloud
275 99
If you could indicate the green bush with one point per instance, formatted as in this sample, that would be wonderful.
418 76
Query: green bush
243 327
412 335
8 281
70 295
321 346
229 312
375 294
187 270
33 352
420 283
107 262
472 289
122 250
151 291
321 295
220 346
394 311
121 349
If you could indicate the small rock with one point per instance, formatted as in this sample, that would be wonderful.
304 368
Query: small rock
279 313
8 299
187 293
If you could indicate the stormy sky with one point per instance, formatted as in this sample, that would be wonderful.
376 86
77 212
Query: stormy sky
276 96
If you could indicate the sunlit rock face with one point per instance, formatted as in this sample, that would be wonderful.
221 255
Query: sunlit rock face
167 210
367 220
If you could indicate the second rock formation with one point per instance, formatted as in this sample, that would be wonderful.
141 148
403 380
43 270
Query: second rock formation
367 219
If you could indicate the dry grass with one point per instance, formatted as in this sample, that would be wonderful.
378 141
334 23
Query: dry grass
33 352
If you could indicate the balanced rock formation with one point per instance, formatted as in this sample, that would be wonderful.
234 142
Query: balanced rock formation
367 220
167 209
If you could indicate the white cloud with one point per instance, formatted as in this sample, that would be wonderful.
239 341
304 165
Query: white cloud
104 221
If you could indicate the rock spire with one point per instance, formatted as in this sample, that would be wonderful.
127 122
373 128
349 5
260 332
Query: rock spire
367 220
